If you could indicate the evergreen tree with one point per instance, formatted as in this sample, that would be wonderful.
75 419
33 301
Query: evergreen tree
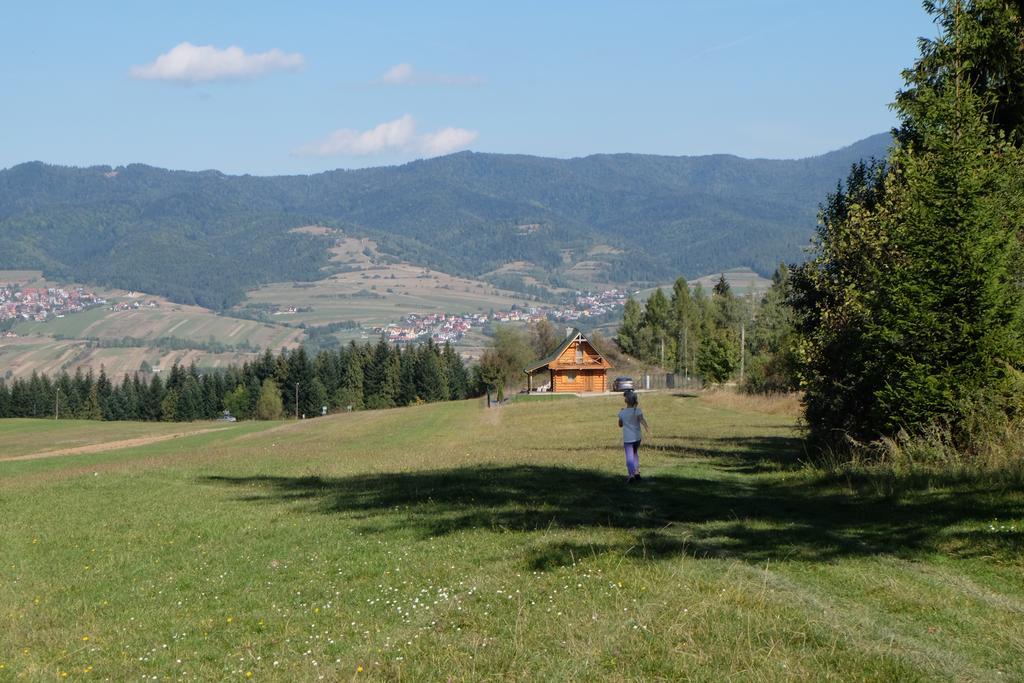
911 310
64 390
190 401
153 401
657 344
113 407
719 355
656 311
772 343
265 367
629 330
350 392
5 400
455 373
380 378
79 396
407 377
129 398
104 388
327 368
253 387
431 383
959 208
299 372
20 400
93 409
40 395
213 394
683 326
176 377
979 48
726 307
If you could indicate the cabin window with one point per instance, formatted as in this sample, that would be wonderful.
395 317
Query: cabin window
570 377
579 354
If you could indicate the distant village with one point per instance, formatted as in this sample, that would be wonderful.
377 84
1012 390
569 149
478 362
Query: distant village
448 327
43 303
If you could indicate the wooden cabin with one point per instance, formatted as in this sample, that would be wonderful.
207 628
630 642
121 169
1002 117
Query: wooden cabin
574 367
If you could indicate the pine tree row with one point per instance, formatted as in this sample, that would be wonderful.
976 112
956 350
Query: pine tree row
291 383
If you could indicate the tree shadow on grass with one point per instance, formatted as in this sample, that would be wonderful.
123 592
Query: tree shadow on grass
744 455
754 519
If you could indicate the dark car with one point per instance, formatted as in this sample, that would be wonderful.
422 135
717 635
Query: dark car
622 384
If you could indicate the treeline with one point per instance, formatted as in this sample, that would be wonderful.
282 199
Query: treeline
292 383
911 308
716 338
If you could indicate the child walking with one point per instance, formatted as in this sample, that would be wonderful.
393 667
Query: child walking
630 419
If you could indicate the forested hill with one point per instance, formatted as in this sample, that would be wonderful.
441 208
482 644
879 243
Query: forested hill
206 237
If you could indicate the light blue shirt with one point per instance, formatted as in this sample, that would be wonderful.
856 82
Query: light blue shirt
630 418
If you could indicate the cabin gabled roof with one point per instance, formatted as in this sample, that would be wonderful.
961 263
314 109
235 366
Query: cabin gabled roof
573 335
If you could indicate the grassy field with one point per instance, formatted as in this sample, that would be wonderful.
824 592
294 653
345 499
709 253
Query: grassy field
23 437
448 542
165 320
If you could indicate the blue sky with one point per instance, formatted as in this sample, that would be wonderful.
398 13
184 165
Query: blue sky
275 88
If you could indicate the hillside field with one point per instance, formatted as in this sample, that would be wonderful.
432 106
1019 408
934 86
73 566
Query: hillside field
374 291
20 356
37 348
189 323
450 542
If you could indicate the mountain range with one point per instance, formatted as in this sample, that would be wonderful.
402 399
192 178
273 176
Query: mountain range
205 237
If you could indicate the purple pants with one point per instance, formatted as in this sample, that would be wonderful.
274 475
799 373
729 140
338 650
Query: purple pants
632 457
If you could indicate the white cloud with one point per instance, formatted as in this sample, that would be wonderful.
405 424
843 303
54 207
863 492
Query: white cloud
190 63
447 140
405 74
399 74
392 136
395 134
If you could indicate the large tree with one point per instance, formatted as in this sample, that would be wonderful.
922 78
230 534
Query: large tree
910 310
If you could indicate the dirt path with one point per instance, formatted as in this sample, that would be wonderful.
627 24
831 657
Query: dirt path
110 445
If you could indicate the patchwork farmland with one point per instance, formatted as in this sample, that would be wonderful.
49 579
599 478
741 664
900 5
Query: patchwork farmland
146 329
21 356
373 291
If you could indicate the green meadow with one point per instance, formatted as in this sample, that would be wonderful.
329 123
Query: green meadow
449 542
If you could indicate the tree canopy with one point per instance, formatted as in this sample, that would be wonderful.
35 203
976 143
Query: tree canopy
911 311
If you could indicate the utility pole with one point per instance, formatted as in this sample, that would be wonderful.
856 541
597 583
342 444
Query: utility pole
56 407
296 400
743 349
